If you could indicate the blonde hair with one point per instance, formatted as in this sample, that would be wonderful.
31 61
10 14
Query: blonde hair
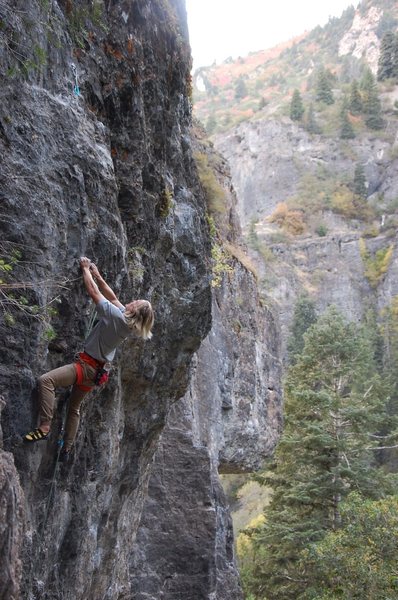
141 319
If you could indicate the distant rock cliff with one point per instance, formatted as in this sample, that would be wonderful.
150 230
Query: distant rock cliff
109 173
269 160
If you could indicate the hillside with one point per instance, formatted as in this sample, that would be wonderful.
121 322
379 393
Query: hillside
262 83
317 192
316 178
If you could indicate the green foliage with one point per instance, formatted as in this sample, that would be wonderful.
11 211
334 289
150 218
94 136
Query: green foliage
359 561
321 230
346 131
80 16
49 333
311 124
323 90
304 316
355 99
211 124
296 106
215 195
377 265
258 245
334 403
386 59
166 202
359 183
221 264
371 101
240 89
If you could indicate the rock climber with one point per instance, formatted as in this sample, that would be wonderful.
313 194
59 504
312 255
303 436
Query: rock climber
115 323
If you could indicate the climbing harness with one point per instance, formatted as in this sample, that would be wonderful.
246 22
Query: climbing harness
101 374
76 89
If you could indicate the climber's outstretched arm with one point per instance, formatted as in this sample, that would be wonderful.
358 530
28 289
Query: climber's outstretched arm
104 287
91 286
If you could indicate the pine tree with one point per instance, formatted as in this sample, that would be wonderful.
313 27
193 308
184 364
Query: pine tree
240 89
371 101
355 100
311 124
296 106
346 130
211 124
359 183
359 561
394 73
304 316
386 58
323 89
334 404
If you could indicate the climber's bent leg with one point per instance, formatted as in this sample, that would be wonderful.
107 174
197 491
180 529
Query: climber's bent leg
61 377
73 417
79 391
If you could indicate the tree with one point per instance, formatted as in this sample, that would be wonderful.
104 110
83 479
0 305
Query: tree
296 106
395 58
311 124
323 88
334 405
355 100
386 58
240 89
371 101
359 183
211 124
359 561
304 316
346 130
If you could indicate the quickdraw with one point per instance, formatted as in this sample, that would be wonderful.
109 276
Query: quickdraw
76 89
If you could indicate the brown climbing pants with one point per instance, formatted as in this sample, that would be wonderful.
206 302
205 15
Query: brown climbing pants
64 377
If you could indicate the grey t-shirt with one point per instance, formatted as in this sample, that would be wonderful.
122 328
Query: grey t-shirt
108 333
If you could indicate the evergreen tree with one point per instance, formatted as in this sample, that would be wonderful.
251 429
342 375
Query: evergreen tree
304 316
323 88
296 106
359 183
211 124
359 561
240 89
334 404
386 58
346 130
355 100
311 124
371 101
395 58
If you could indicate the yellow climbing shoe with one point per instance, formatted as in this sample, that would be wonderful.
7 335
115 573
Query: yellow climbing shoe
35 436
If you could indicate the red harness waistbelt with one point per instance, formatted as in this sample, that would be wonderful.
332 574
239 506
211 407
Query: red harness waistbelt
90 360
93 362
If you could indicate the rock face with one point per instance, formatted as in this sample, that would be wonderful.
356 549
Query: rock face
361 40
269 159
108 172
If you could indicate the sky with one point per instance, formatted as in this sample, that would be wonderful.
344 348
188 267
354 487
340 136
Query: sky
222 28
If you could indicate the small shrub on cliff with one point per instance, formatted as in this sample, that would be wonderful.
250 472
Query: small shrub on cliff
375 266
291 221
221 264
240 255
215 195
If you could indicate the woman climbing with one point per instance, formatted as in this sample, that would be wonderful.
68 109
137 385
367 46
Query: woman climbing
115 323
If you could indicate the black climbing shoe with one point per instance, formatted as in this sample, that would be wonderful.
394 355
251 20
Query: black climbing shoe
35 436
64 456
